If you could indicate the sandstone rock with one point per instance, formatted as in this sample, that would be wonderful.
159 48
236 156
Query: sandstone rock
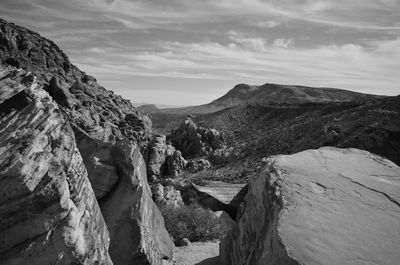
197 165
162 159
167 195
193 140
48 211
118 176
97 111
175 164
220 196
137 231
156 154
325 206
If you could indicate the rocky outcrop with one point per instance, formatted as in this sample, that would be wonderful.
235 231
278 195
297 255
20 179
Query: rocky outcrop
196 165
108 133
118 176
194 141
325 206
162 159
167 195
174 164
48 211
97 111
220 196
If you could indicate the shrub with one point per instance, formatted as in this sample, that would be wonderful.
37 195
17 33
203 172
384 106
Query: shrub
192 222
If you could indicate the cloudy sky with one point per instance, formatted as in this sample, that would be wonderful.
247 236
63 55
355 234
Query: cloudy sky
186 52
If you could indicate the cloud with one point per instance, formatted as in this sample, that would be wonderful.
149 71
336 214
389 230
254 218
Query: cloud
339 43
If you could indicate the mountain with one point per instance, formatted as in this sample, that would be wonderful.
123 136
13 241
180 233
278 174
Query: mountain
273 94
373 125
149 108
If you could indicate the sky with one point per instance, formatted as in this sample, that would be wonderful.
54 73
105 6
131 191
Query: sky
190 52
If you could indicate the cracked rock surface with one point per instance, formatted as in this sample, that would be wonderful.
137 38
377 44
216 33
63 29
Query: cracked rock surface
324 206
48 211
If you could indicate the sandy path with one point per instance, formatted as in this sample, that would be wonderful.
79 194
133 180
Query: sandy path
198 253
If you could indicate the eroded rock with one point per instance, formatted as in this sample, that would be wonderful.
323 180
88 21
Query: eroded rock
325 206
194 141
48 211
118 176
97 111
167 195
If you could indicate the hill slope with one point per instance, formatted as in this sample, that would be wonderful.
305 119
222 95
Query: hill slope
284 129
273 93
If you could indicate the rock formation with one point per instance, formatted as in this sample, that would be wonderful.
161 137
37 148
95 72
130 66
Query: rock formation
167 195
325 206
162 159
109 133
194 141
197 165
220 196
48 211
92 108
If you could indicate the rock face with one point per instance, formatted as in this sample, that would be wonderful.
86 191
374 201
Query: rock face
193 140
162 159
48 211
89 106
109 133
219 196
167 195
118 176
325 206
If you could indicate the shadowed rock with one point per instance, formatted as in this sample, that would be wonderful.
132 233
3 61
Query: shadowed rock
48 211
325 206
220 196
194 141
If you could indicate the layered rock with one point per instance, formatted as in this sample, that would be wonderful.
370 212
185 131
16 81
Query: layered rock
162 159
167 195
92 108
109 132
221 196
118 175
48 211
193 140
197 165
325 206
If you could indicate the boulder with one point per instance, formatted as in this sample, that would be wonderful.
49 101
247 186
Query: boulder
196 165
221 196
118 176
174 164
325 206
167 195
162 159
195 141
48 211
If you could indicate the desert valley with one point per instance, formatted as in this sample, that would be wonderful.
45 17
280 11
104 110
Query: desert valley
264 174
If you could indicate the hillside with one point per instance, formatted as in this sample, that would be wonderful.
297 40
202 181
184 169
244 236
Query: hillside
273 93
284 129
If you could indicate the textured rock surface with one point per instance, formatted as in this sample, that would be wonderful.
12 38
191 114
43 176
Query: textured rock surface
193 140
92 108
48 211
325 206
162 159
137 231
108 131
167 195
118 176
197 165
220 196
174 164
